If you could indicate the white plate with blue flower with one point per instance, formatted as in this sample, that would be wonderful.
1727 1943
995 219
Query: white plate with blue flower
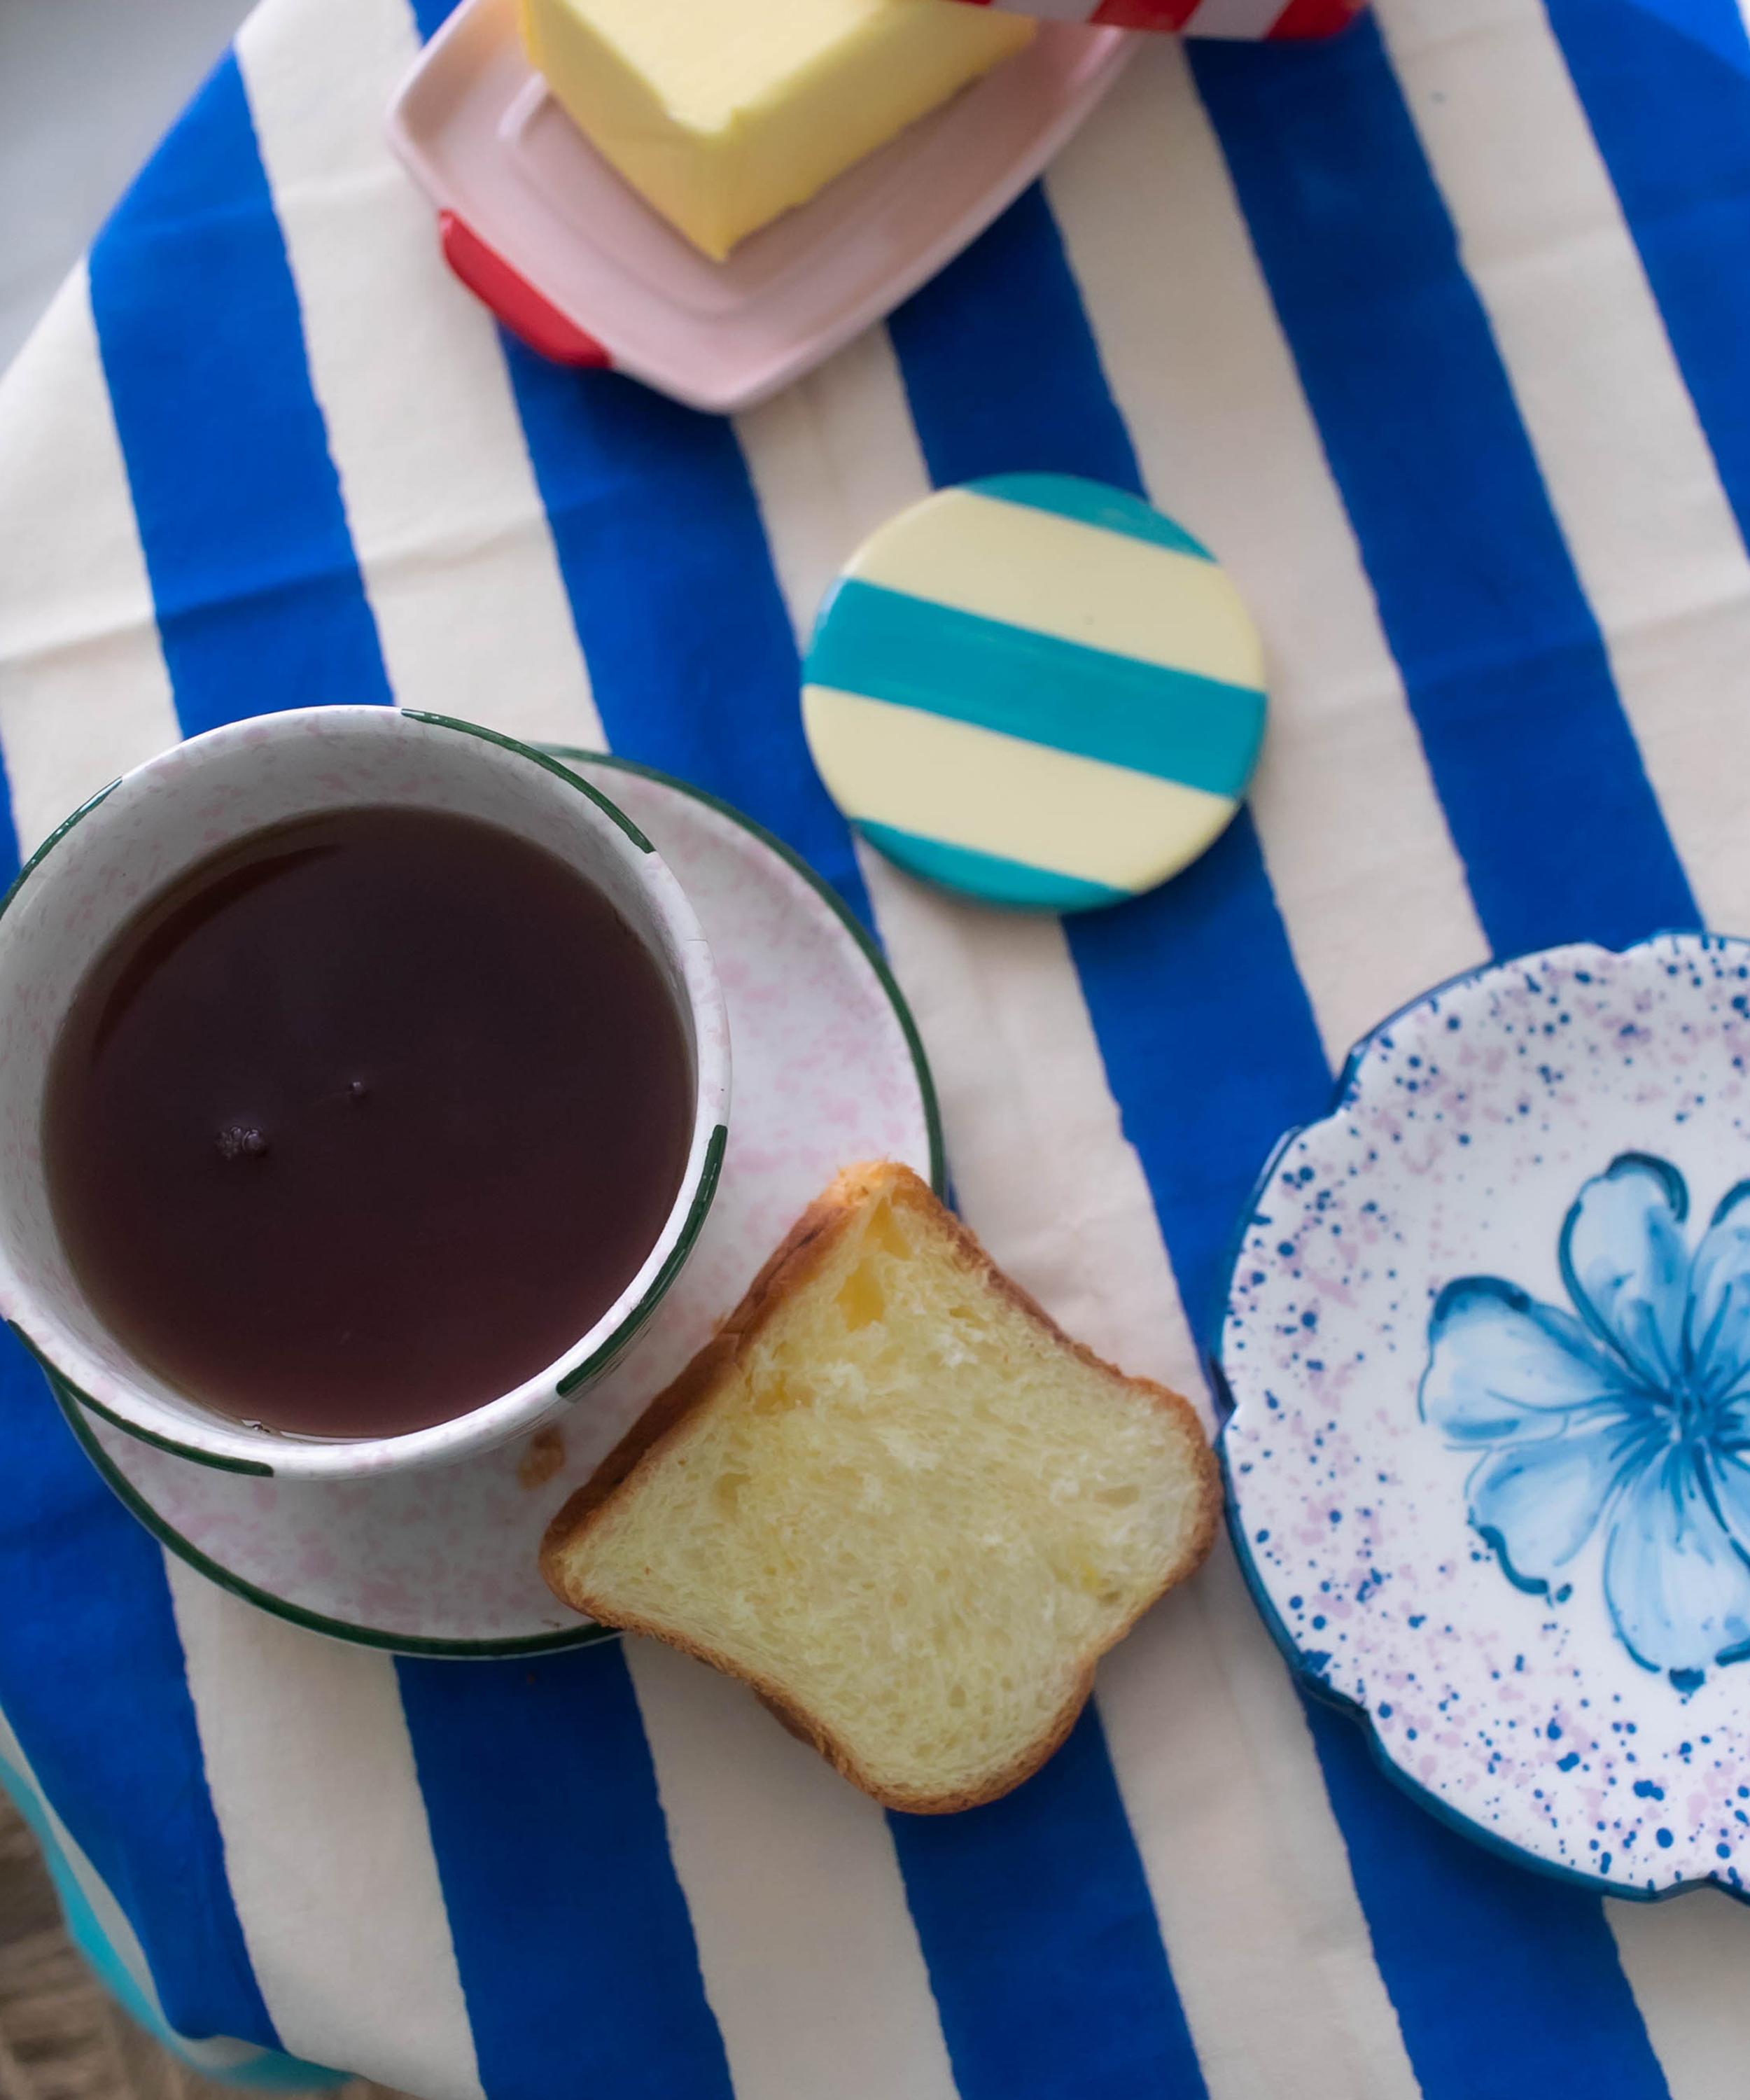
1487 1356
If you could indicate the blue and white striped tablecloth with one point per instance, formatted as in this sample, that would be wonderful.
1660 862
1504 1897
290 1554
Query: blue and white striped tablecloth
1438 336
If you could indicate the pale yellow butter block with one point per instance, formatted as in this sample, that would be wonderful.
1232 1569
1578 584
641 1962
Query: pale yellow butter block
724 113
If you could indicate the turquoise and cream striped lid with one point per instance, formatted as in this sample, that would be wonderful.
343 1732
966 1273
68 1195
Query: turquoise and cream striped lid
1036 689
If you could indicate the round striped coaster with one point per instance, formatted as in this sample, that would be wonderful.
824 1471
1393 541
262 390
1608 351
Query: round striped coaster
1038 690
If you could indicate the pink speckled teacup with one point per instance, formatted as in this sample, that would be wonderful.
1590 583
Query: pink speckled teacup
130 842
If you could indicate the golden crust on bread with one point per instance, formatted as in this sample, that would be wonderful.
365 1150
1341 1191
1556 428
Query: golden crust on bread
717 1424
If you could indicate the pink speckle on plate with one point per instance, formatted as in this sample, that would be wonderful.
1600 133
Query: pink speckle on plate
1487 1348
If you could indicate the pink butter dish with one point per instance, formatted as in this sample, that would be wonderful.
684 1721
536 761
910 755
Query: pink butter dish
538 225
1244 21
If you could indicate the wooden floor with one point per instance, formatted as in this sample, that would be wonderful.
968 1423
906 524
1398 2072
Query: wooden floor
61 2036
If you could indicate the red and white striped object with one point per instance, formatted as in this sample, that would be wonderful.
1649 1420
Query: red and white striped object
1250 19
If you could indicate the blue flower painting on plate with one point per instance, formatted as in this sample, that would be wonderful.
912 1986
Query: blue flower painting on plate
1624 1421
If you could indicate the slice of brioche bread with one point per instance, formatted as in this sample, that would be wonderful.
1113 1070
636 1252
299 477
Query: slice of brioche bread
896 1499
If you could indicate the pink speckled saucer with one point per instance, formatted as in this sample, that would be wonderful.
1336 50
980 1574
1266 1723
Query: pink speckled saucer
828 1070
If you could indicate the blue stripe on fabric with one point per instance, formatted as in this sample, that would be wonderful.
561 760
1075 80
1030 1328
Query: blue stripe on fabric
1044 1854
989 875
1093 503
571 1934
9 855
691 654
91 1679
1503 663
1210 1048
1211 1052
1666 89
430 16
259 601
1549 2028
886 644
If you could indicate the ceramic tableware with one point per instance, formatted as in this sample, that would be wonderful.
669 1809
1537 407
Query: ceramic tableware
1487 1350
537 224
828 1069
127 846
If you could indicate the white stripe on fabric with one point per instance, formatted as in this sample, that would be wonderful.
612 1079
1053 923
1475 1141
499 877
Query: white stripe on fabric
1370 887
1685 1962
451 537
967 786
1637 493
84 694
1235 18
811 1963
216 2056
326 1844
1243 1859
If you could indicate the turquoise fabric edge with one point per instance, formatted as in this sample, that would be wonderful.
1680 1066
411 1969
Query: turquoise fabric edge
266 2070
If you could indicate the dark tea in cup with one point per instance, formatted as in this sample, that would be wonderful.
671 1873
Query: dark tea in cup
365 1120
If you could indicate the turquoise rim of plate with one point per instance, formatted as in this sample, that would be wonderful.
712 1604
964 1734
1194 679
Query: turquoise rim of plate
587 1634
1309 1680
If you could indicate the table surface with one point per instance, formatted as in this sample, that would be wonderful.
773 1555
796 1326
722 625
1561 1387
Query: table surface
1435 335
